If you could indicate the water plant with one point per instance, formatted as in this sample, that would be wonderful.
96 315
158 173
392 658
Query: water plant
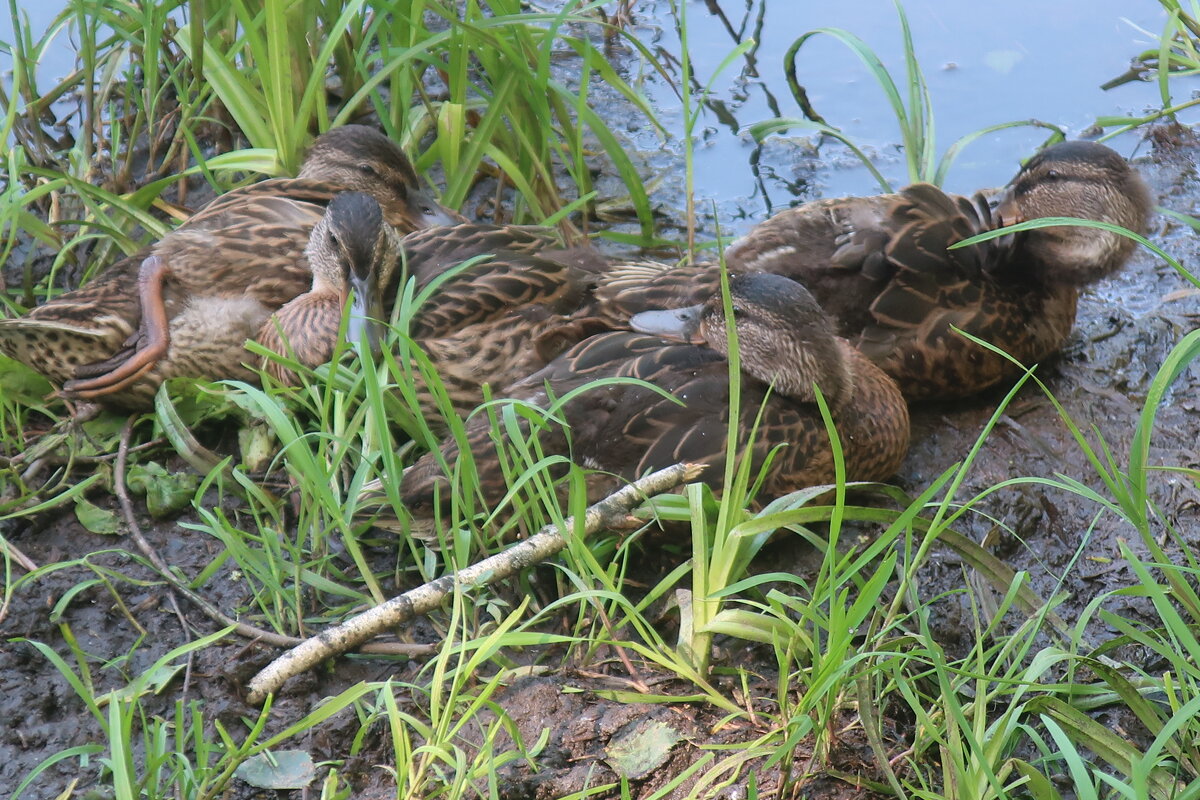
797 667
1176 56
909 102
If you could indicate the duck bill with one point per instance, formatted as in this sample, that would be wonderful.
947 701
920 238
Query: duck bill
433 214
680 324
1007 212
366 311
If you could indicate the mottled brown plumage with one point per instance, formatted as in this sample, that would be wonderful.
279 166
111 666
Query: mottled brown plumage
501 318
492 321
881 268
350 247
624 430
518 266
186 305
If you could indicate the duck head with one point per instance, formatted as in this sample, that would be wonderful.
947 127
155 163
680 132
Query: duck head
1076 179
362 159
784 336
348 251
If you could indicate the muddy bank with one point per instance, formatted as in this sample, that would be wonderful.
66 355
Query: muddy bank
1125 329
1067 544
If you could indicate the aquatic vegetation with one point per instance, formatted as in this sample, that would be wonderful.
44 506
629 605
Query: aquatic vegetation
1177 55
899 650
913 109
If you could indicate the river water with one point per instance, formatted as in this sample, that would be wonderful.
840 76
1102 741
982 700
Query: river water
985 63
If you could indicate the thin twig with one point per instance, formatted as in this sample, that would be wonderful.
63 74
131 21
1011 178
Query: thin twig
160 566
423 599
16 555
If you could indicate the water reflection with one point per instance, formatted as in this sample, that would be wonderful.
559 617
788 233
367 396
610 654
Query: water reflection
58 59
984 63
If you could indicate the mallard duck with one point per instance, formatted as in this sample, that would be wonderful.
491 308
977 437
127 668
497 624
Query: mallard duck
880 266
490 322
349 248
786 344
187 304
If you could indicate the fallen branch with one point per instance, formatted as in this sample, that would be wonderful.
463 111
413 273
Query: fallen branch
423 599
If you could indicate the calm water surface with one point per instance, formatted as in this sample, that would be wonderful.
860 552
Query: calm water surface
37 15
986 63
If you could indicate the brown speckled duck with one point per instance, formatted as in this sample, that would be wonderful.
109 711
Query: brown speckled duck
187 304
880 266
623 430
349 249
491 322
518 266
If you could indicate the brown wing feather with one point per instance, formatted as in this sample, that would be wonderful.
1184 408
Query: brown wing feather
627 429
629 289
496 352
936 289
305 329
432 251
76 328
503 283
931 360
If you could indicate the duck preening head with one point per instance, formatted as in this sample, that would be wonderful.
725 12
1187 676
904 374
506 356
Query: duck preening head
348 250
1085 180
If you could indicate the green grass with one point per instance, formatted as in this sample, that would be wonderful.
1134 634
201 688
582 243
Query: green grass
1177 55
849 649
469 95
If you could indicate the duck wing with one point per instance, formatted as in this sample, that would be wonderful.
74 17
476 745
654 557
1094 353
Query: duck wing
512 272
497 352
926 276
77 327
274 201
835 247
254 256
627 289
432 251
935 289
617 426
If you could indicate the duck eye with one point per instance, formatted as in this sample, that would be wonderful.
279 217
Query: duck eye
334 239
368 170
1053 174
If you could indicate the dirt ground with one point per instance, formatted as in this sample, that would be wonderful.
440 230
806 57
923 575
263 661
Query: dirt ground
1125 329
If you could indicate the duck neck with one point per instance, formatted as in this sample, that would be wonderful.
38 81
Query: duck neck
389 263
1071 254
795 375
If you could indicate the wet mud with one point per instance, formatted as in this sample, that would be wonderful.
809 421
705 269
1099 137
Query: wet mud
125 619
1068 546
1125 329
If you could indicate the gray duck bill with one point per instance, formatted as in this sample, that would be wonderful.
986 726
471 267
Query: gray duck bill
366 311
680 324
